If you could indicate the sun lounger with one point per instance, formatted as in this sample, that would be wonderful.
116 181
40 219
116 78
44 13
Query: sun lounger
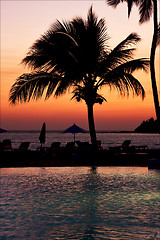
124 146
82 144
139 148
24 146
54 147
70 146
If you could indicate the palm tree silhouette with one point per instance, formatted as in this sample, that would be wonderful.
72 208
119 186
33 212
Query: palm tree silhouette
74 56
146 9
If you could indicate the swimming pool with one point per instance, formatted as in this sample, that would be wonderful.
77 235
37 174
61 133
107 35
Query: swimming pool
77 203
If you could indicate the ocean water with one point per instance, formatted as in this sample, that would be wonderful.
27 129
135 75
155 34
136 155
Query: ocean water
107 139
77 203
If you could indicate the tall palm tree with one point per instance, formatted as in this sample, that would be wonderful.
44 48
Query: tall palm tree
146 9
74 56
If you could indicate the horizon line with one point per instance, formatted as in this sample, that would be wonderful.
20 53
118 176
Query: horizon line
60 130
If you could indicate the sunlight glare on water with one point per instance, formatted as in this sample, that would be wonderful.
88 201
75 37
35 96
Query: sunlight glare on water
77 203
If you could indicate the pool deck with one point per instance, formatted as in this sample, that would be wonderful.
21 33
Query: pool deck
66 158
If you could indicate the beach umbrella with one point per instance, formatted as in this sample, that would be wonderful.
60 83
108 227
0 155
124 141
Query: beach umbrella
74 129
42 136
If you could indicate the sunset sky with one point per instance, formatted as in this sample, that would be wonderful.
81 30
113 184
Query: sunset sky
22 22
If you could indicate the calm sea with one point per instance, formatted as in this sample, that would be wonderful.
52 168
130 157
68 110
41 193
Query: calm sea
107 139
76 203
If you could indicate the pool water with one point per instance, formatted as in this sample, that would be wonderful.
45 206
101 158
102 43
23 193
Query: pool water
77 203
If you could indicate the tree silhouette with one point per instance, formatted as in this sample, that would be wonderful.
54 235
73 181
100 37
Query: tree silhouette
74 56
147 8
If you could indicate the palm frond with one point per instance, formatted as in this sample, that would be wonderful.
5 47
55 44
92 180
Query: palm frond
122 53
133 65
102 35
78 29
137 88
63 86
91 36
122 79
78 93
130 3
51 49
126 83
91 18
114 3
145 10
97 28
113 60
58 26
64 26
132 39
32 85
119 55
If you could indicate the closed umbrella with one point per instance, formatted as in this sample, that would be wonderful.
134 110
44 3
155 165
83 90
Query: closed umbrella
74 129
42 136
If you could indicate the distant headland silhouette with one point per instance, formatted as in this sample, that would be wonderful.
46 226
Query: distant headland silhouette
148 126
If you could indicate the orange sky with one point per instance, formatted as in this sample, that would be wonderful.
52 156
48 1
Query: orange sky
23 22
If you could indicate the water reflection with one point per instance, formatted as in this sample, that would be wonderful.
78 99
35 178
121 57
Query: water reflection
77 203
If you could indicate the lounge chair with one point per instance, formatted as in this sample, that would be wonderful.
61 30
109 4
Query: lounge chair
125 144
82 144
139 148
7 144
24 146
123 147
70 146
54 147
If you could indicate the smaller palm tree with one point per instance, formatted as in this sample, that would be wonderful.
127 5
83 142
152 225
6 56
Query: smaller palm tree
74 55
147 8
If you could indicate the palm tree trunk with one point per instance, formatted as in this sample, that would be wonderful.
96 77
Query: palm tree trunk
152 64
92 126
